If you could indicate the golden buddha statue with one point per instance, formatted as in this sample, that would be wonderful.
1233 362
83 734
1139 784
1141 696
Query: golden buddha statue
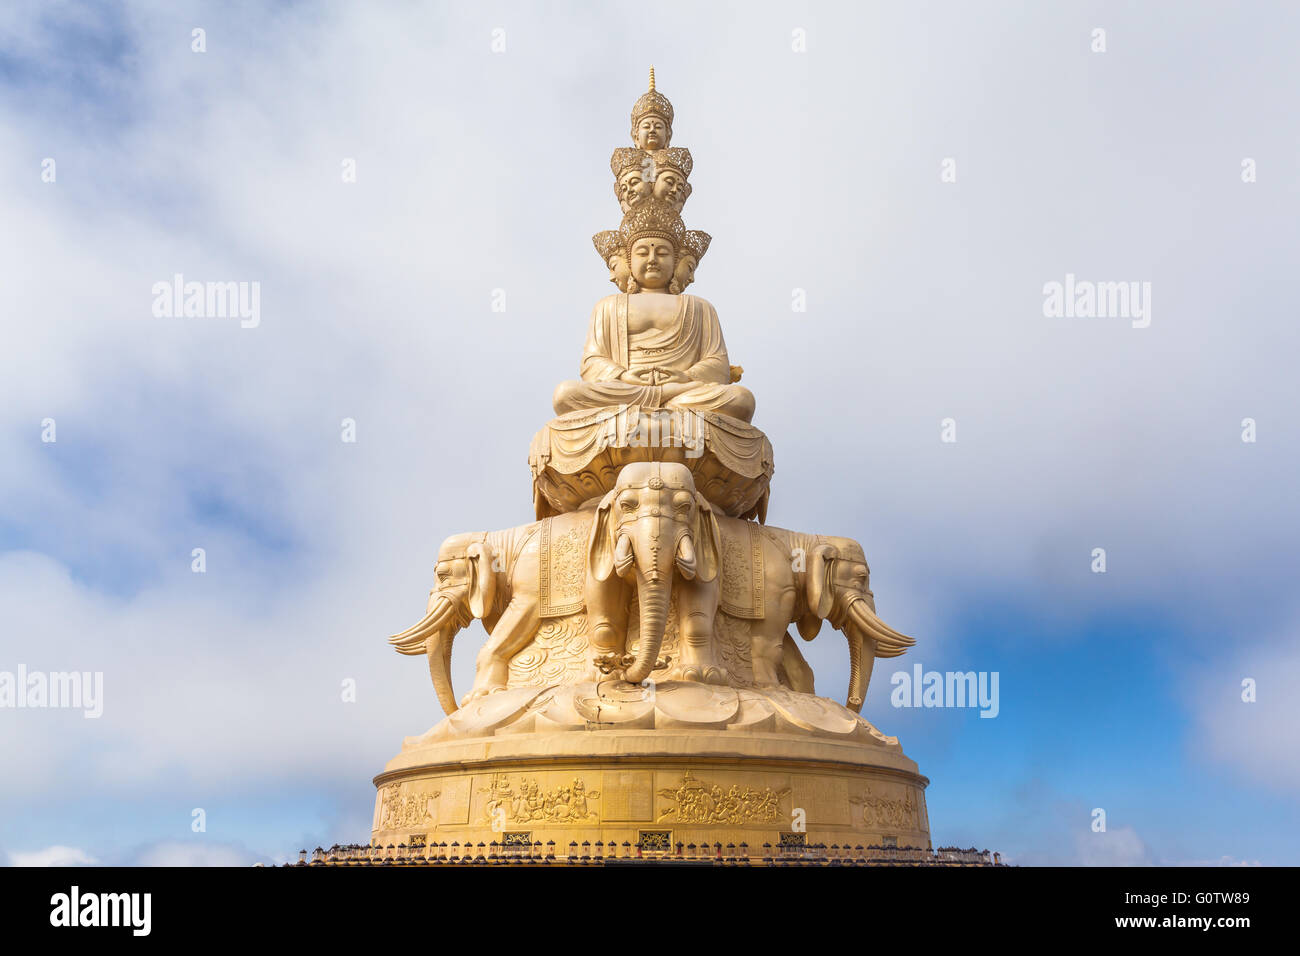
650 346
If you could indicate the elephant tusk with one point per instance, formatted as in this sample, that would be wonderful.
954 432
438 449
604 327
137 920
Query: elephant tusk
623 555
433 637
686 557
411 641
889 642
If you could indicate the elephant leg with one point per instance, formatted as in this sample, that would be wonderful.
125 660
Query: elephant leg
515 628
696 609
607 612
767 638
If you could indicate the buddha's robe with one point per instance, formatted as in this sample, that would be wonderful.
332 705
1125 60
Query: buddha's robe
690 343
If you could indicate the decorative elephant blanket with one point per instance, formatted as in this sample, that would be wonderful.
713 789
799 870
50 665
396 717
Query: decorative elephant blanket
562 569
741 594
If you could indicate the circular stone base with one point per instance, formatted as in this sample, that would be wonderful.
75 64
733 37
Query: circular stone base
650 788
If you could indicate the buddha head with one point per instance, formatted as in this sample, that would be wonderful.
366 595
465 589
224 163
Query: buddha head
652 119
694 245
619 272
672 169
609 246
653 237
683 274
651 132
633 185
652 261
634 173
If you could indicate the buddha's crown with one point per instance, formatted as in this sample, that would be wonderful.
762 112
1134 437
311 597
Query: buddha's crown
608 243
628 157
653 217
674 157
696 243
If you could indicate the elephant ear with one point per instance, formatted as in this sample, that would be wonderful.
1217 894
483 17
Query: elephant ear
821 597
809 626
483 579
600 546
708 540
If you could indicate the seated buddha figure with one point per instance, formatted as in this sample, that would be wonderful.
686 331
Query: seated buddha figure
649 346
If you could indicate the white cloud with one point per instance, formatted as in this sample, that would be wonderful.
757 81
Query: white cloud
1226 861
1120 846
52 856
1259 740
195 854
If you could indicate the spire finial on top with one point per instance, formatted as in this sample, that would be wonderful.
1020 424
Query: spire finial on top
652 78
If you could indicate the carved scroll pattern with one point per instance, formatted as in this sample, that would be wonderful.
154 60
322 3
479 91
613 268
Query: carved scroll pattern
557 655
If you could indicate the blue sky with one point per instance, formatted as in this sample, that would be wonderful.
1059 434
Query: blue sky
817 170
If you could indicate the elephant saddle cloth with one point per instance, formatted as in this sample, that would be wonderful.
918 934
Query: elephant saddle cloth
742 570
562 566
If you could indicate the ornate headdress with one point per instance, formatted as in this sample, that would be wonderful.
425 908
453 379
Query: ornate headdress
653 217
674 157
696 244
608 243
625 158
654 102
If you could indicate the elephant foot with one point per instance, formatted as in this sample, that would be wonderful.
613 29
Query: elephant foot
704 674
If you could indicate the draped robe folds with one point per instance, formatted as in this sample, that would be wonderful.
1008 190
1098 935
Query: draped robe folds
692 344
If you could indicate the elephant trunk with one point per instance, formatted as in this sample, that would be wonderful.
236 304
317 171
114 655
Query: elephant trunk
438 649
434 636
858 680
652 599
653 548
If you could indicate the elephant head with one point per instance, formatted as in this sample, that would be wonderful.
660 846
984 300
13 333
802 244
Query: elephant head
465 589
653 525
838 589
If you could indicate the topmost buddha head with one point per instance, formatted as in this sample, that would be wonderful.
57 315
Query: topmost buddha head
652 119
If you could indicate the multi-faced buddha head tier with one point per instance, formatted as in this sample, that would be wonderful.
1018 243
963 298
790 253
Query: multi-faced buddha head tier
652 173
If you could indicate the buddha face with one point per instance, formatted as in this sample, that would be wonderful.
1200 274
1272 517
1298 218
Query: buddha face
683 273
618 272
633 186
651 132
653 260
670 186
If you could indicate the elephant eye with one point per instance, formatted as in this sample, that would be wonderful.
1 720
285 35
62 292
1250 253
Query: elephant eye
627 503
682 499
